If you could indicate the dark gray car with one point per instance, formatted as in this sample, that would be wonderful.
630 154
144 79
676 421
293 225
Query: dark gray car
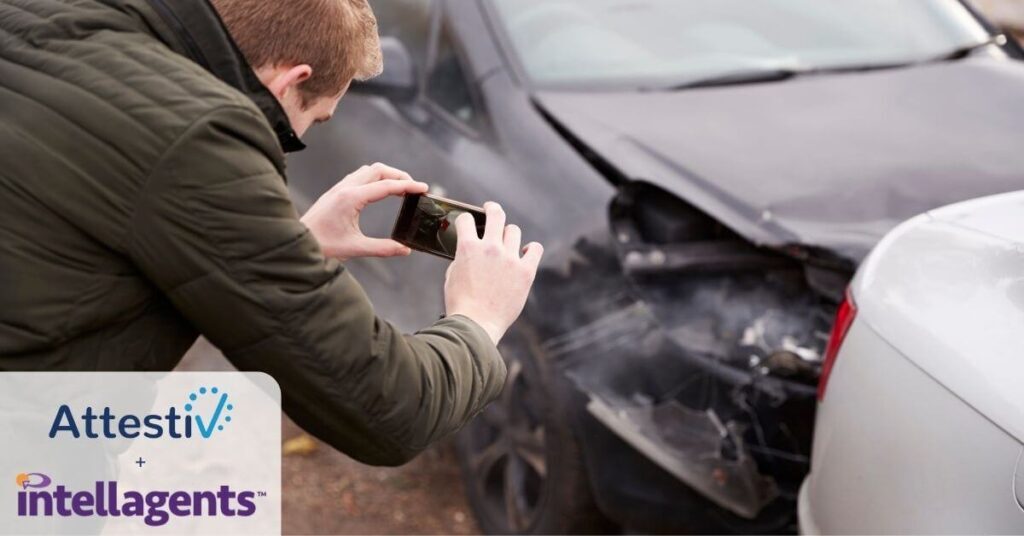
705 176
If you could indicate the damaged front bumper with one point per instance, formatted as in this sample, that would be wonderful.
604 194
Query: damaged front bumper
689 444
738 437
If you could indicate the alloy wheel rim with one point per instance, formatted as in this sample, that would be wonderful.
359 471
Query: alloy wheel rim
508 460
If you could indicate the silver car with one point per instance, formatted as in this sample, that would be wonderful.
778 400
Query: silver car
921 403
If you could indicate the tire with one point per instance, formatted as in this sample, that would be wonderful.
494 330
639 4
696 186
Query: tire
521 463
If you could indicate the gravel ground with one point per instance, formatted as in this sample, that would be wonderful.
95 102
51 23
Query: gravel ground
325 492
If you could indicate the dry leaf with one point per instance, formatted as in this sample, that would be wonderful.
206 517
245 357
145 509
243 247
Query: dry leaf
302 445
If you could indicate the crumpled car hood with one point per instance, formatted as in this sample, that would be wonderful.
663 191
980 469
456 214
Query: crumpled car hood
830 161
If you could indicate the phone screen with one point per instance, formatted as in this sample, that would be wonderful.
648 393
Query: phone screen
427 223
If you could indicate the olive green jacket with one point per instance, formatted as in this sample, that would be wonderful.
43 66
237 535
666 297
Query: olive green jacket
143 202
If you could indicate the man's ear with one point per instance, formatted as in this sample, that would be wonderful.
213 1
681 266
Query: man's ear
281 80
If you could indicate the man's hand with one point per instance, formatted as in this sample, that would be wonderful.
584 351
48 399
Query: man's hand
334 218
489 280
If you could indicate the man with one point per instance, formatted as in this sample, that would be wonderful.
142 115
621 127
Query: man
143 202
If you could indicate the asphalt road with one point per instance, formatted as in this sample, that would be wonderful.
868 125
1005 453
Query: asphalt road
325 492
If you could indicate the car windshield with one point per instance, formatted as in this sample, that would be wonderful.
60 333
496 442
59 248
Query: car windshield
669 43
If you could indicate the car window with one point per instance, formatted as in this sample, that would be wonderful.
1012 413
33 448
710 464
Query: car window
447 83
409 21
666 43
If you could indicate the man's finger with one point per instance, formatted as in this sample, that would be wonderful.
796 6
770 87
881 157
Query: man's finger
513 239
378 191
377 172
465 228
495 229
532 254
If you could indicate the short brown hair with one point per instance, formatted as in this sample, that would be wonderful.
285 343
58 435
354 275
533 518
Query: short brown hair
337 38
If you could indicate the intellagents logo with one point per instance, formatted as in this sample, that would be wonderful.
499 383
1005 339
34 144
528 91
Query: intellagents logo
32 480
104 423
155 507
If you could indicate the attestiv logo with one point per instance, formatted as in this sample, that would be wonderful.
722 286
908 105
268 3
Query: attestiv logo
154 507
205 411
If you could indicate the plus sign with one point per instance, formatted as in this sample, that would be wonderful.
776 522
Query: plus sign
140 461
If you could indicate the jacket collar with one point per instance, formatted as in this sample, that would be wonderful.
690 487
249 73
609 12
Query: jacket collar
193 29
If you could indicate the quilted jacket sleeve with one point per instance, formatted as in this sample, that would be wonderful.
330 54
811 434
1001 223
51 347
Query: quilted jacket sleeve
215 230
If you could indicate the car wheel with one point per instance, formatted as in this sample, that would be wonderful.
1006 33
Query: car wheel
521 464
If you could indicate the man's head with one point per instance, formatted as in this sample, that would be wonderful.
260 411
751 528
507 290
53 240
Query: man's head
307 52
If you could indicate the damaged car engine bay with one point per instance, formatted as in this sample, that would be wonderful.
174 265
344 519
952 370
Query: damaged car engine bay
697 348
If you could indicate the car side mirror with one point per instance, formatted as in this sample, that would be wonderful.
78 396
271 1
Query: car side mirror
398 81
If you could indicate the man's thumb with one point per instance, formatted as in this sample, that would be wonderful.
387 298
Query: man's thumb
382 247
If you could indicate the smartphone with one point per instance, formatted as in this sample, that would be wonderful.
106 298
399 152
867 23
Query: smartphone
427 223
